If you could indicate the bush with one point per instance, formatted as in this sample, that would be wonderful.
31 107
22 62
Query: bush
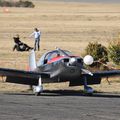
20 3
114 51
98 52
24 4
5 3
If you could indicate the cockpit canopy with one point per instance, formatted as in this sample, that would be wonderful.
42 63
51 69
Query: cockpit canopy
52 54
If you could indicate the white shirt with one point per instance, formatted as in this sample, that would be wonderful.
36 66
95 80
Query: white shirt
36 34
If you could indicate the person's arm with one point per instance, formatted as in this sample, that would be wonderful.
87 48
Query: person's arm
31 34
40 33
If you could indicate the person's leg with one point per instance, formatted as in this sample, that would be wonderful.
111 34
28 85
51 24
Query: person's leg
24 47
38 44
35 44
27 48
14 47
18 47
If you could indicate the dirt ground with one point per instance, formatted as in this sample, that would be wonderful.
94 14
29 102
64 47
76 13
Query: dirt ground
66 25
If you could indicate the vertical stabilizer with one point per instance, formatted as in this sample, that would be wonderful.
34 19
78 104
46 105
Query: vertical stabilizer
32 61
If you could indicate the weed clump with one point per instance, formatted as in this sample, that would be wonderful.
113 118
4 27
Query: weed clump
20 3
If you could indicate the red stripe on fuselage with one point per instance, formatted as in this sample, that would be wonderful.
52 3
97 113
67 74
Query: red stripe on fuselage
55 59
58 58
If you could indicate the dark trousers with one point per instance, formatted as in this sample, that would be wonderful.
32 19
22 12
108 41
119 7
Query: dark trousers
37 44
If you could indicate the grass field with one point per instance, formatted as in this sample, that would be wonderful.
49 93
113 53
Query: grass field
66 25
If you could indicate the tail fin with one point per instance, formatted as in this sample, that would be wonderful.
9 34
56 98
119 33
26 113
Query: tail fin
32 61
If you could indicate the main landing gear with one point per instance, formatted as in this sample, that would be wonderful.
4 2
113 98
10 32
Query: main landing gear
88 90
38 89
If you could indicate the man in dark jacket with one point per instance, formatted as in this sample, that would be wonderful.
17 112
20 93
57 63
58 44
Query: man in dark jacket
20 46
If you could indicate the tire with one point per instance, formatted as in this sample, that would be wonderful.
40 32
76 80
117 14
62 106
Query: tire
37 93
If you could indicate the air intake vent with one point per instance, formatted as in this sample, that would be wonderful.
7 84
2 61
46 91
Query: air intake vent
66 60
80 60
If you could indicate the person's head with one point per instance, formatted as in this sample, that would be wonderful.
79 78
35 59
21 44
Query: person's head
17 36
36 29
16 40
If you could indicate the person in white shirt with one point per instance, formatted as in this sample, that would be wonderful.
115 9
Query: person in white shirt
36 35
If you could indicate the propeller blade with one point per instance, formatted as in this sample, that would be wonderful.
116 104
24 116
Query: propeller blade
87 72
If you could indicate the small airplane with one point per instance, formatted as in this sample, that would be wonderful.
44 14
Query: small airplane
54 67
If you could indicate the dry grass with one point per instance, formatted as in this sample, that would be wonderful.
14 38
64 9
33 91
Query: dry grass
66 25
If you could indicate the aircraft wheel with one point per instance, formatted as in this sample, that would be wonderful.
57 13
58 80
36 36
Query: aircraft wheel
89 94
88 91
37 93
38 90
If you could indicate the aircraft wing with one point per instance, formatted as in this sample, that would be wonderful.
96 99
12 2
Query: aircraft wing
107 73
21 76
95 78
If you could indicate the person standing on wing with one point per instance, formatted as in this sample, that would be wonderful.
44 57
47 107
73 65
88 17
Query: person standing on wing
36 35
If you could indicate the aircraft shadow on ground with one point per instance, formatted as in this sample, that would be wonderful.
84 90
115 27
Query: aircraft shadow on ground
52 93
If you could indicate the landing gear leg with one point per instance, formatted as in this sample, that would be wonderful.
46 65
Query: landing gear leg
88 90
38 89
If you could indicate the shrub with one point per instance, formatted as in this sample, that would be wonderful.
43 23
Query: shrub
98 52
24 4
114 51
20 3
5 3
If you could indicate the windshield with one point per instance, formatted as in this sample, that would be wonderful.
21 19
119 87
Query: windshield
52 54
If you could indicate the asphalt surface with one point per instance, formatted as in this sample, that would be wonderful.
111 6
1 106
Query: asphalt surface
59 105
